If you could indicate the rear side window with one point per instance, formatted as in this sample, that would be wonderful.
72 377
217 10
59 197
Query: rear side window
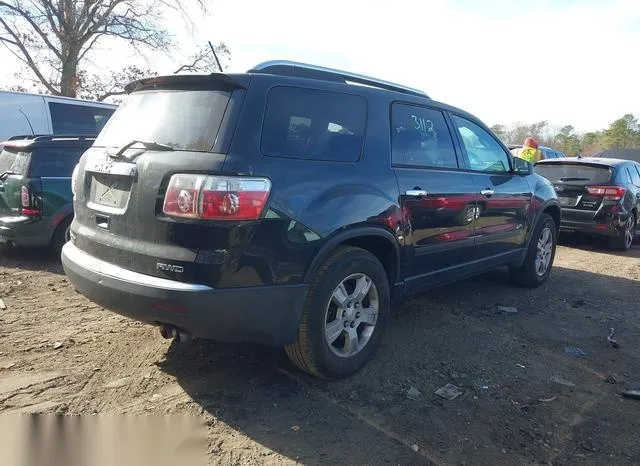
54 162
635 175
420 137
313 124
6 160
78 119
574 173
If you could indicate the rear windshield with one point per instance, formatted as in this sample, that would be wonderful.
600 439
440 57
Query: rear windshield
574 173
182 119
54 162
41 162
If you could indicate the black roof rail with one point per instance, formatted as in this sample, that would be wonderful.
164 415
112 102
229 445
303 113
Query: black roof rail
303 70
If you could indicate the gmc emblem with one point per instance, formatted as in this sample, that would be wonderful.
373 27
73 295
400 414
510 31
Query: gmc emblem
170 267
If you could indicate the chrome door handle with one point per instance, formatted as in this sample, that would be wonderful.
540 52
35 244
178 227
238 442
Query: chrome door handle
416 193
487 192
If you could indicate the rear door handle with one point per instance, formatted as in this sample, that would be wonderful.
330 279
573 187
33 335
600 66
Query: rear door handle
416 193
487 192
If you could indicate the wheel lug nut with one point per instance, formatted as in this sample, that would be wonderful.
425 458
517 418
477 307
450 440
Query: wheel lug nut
346 322
353 324
357 315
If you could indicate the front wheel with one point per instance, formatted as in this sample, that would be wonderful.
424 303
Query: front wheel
540 255
344 315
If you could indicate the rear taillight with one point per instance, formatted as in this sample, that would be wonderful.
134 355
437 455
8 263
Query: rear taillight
216 197
607 193
25 197
26 204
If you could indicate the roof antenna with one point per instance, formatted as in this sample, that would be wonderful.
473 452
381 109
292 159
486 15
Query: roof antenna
33 133
215 55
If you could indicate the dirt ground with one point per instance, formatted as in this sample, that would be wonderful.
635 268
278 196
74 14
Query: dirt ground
525 401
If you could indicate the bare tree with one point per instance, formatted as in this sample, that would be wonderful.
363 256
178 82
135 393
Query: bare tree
54 38
205 59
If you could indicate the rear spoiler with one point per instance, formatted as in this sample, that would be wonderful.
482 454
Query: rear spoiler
217 81
25 141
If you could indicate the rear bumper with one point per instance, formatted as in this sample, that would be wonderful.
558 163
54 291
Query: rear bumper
264 314
593 228
23 232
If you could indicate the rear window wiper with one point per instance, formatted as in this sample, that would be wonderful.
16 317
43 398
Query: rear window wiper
569 178
151 145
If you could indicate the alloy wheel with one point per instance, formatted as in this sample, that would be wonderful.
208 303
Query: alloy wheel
351 315
543 251
629 231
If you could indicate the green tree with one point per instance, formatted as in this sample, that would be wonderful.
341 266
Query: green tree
567 141
592 143
624 133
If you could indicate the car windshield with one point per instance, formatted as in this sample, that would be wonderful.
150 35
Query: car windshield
182 119
574 173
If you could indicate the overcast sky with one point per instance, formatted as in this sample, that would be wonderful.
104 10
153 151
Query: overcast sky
566 61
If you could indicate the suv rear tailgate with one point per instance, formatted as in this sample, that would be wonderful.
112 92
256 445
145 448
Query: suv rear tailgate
120 192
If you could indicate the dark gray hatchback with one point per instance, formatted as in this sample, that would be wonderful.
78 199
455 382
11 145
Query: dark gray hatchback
289 206
599 196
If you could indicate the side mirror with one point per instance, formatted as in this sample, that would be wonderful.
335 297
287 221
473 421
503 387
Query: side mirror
522 167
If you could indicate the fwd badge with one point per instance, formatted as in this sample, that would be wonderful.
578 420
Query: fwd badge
170 267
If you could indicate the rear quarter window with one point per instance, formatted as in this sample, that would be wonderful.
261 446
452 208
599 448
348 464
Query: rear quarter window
313 124
78 119
14 161
574 173
6 160
54 162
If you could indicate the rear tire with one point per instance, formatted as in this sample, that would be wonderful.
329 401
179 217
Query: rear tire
325 345
62 234
624 241
540 255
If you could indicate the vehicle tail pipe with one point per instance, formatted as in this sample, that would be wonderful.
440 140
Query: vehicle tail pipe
179 335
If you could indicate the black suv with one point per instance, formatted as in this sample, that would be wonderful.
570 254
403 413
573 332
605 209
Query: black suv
288 205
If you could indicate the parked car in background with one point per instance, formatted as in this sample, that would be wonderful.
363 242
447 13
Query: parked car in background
36 202
547 152
288 205
34 114
599 196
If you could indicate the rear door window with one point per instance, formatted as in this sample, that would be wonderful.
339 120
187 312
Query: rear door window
313 124
78 119
54 162
420 137
574 173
